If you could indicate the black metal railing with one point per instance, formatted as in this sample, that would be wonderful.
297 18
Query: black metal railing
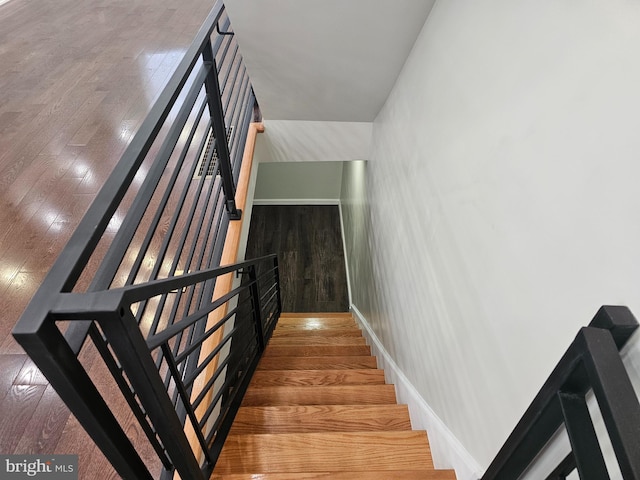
136 283
591 363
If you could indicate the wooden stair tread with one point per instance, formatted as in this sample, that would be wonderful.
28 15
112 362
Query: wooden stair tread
325 452
321 418
275 378
318 408
363 475
316 350
308 315
323 395
316 340
311 324
326 332
339 362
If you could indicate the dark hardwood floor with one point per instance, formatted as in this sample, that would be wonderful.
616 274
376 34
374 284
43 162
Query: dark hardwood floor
76 81
308 241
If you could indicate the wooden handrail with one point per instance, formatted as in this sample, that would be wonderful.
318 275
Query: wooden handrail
224 285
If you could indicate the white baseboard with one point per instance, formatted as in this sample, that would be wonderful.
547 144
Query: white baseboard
296 201
344 249
446 449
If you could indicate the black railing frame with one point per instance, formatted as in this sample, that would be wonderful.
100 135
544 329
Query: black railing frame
592 362
55 353
220 131
111 310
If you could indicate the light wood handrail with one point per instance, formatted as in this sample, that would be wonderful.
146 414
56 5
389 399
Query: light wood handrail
224 285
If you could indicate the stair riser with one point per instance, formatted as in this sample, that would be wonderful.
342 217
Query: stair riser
301 378
389 475
327 332
317 341
316 351
313 324
317 363
328 452
343 395
308 419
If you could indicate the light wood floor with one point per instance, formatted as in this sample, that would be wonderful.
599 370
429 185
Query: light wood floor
76 81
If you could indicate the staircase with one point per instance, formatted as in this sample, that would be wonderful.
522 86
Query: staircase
318 408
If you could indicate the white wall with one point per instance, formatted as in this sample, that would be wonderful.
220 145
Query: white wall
305 141
301 161
501 206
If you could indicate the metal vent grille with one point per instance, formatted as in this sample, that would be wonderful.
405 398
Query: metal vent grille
205 153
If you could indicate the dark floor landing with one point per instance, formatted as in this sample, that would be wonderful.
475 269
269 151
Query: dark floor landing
308 241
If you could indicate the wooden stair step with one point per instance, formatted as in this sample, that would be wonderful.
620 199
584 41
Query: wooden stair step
364 475
317 363
311 324
317 408
324 452
307 315
317 340
331 395
321 418
326 332
275 378
316 350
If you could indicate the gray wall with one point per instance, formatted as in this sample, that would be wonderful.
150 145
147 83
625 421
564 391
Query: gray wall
298 182
500 206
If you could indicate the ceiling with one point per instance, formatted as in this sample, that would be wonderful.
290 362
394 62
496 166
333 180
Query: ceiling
329 60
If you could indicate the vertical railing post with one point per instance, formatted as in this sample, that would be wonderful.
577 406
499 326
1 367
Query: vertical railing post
123 334
257 308
277 275
212 88
582 436
184 396
53 356
616 397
